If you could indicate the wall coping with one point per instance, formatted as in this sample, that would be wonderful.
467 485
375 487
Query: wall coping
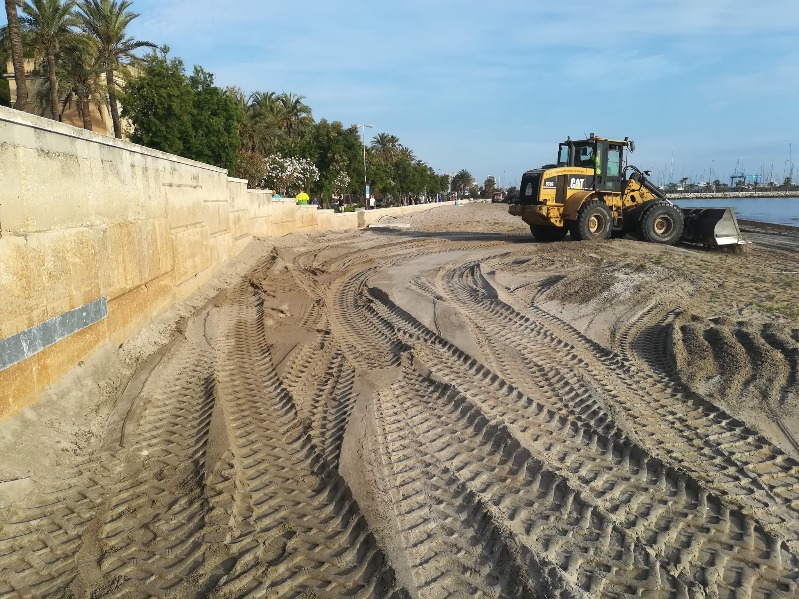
26 119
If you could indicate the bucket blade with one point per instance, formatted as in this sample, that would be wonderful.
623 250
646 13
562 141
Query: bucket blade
711 226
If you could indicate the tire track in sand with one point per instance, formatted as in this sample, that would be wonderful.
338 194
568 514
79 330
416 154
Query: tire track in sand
720 451
305 531
689 532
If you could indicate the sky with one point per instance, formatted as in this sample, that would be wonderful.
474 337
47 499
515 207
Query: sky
704 87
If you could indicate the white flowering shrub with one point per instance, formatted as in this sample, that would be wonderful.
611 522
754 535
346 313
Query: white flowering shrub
341 183
288 175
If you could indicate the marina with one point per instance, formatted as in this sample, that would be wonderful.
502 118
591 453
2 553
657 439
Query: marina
780 211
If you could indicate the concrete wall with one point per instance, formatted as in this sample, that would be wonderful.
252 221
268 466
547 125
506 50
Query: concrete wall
87 220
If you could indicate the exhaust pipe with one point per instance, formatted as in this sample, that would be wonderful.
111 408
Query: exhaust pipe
711 226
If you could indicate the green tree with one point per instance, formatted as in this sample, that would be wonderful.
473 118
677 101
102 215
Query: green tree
81 75
5 56
336 152
159 103
215 119
296 115
261 129
188 116
250 166
15 38
51 23
5 91
442 185
489 185
385 146
106 20
402 182
462 181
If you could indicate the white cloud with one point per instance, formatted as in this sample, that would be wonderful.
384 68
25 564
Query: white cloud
452 75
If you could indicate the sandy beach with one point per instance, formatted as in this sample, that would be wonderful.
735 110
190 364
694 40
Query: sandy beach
435 406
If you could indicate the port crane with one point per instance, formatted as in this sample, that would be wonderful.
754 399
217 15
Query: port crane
738 176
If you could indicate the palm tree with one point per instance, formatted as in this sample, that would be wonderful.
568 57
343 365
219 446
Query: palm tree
405 153
296 115
385 146
462 181
15 35
263 123
262 98
106 20
80 74
50 23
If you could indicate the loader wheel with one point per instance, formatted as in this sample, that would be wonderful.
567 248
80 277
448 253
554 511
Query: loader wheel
546 233
594 221
662 223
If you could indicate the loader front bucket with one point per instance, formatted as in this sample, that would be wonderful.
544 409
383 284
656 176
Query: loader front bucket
711 226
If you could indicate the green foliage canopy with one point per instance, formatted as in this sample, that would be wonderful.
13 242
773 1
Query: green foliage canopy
79 41
336 151
184 115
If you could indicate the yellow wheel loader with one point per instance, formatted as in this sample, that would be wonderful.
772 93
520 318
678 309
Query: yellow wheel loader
591 193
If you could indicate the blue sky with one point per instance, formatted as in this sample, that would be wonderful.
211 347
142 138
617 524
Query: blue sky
492 87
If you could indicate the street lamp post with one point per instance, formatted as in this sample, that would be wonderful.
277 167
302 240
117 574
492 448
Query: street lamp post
363 143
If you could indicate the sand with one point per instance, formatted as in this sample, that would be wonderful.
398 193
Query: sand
435 406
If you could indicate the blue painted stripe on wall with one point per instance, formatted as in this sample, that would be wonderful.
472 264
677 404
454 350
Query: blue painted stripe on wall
31 341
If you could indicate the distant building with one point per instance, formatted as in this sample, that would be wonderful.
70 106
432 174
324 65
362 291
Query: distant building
101 120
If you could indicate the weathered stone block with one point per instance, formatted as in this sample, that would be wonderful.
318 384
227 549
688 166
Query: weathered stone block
45 274
133 253
191 252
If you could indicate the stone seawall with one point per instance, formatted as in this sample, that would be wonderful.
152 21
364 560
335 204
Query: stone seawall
98 236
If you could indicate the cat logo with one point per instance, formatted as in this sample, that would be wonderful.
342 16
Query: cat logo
577 183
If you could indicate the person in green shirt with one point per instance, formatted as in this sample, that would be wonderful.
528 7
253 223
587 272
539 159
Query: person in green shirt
302 198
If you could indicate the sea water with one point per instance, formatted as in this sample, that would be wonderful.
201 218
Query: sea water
781 211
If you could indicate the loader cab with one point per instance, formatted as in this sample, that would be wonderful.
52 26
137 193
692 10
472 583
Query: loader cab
604 156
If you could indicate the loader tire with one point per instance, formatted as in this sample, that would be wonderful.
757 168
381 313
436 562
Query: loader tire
594 221
547 233
662 223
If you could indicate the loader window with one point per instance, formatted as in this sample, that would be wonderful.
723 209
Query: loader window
563 155
585 157
614 161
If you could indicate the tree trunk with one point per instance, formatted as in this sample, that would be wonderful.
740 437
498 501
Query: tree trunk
53 86
85 112
64 105
112 101
16 54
